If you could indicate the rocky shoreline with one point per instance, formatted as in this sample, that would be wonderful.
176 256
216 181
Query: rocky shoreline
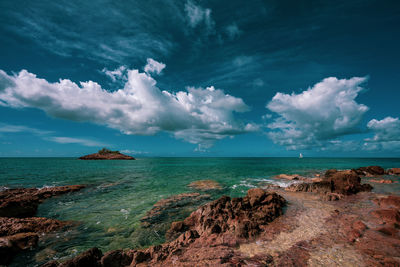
330 219
19 230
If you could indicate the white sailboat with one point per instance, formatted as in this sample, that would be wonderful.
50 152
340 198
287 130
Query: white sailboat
300 156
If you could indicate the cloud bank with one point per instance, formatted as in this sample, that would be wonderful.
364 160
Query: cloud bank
386 134
323 112
197 115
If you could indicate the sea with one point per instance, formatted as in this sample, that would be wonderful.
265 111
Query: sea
119 193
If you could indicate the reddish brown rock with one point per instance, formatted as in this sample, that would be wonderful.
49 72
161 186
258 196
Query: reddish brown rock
388 202
239 216
346 183
316 187
11 245
393 171
106 154
387 215
89 258
23 202
381 181
18 233
330 172
11 226
370 171
339 183
207 237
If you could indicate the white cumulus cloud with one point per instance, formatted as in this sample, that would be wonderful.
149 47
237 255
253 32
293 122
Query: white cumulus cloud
153 66
386 134
197 15
197 115
323 112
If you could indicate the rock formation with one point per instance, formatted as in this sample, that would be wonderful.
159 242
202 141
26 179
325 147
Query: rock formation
18 230
335 184
106 154
207 237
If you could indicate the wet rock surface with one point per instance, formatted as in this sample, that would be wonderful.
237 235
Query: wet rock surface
335 184
172 207
370 171
18 230
208 237
23 202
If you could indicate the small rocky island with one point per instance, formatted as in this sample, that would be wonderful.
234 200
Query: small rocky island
105 154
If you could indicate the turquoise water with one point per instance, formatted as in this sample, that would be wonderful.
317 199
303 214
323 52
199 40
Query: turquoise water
119 193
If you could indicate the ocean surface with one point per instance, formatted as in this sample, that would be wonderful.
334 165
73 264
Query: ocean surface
119 193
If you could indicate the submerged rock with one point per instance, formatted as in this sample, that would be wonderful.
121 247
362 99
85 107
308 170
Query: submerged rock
18 233
168 207
205 185
207 237
23 202
11 245
105 154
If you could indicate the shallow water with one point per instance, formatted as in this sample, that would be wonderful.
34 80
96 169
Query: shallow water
119 193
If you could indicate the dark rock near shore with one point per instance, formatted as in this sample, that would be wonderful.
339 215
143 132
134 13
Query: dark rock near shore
23 202
339 183
18 233
11 226
370 171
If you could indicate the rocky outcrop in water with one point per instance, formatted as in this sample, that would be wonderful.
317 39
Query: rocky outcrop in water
207 237
23 202
337 183
106 154
168 207
370 171
18 230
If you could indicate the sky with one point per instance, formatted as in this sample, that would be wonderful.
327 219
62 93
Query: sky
200 78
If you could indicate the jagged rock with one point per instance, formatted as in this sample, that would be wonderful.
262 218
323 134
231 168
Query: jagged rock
205 238
240 216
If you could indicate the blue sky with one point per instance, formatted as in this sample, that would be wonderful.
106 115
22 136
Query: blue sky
200 78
